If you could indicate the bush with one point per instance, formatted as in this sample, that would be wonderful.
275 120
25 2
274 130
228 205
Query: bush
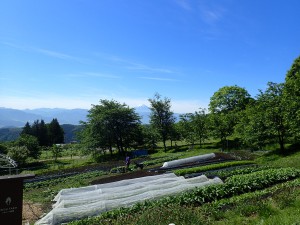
19 153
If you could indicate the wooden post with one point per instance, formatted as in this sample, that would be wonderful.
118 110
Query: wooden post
11 199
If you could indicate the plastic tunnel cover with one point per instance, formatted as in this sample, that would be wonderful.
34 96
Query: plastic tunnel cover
188 160
74 204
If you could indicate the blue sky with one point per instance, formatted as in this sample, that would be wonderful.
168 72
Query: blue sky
72 53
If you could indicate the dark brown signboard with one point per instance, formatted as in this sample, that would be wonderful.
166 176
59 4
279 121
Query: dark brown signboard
11 199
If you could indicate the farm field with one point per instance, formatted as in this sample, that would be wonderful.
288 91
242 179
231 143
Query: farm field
271 192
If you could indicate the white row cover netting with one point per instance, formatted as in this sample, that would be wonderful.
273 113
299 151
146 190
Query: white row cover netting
193 159
75 203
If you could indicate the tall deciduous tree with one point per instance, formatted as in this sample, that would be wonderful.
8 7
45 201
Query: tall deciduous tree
18 153
264 122
186 127
111 124
200 124
291 94
31 143
225 106
228 99
272 105
252 128
161 117
150 136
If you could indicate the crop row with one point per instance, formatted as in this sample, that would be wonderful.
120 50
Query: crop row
182 172
233 186
228 172
258 194
70 180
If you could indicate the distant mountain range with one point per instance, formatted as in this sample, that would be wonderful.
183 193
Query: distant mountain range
10 118
18 118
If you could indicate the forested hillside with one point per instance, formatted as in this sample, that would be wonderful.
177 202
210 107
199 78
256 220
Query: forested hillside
11 134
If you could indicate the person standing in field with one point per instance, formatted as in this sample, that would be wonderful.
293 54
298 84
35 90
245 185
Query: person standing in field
127 162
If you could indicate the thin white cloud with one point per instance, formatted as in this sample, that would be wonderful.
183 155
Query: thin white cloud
212 16
211 13
58 55
149 69
131 65
94 74
158 78
185 4
47 52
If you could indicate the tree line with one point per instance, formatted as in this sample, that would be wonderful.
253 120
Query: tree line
46 134
271 117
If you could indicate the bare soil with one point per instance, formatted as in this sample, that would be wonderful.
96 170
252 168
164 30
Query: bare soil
31 212
124 176
154 171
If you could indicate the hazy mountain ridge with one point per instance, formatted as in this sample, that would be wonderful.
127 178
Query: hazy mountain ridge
18 118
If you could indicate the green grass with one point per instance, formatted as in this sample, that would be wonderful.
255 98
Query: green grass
182 172
277 160
48 166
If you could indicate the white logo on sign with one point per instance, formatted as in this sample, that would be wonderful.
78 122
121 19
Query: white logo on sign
8 201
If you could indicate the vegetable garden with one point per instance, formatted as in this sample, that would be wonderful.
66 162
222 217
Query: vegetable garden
243 181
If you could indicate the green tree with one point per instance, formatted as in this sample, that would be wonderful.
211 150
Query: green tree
226 106
200 125
55 133
221 125
39 130
43 134
161 117
291 93
150 136
3 148
272 105
31 143
264 122
56 151
186 127
27 129
174 134
110 124
252 128
18 153
229 99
